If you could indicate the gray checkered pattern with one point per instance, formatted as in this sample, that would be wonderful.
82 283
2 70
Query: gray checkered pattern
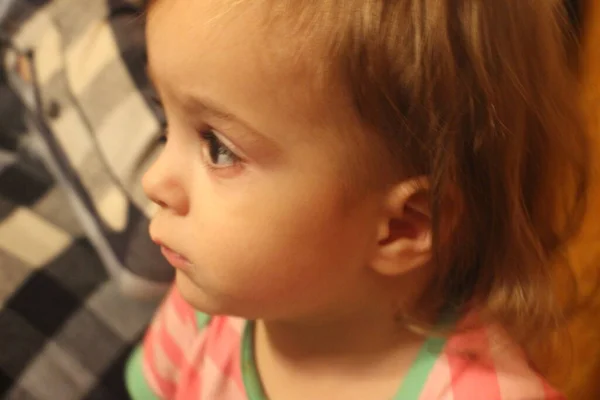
79 277
102 129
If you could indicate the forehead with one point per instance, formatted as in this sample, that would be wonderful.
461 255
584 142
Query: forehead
225 50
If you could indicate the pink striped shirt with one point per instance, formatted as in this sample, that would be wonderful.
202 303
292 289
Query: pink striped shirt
187 355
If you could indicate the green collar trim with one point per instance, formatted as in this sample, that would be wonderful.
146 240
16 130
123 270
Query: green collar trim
410 389
252 383
414 381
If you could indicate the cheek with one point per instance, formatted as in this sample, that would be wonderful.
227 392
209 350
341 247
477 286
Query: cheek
275 240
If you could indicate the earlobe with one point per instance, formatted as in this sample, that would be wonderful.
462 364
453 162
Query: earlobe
404 236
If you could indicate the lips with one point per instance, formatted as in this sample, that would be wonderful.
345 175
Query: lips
175 259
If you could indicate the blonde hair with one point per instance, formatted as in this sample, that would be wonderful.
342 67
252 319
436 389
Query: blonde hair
477 96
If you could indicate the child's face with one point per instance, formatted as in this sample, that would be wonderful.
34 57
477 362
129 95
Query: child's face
280 232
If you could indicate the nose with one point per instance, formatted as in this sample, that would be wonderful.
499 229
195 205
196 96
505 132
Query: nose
164 182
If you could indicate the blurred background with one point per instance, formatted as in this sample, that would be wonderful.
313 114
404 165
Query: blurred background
79 277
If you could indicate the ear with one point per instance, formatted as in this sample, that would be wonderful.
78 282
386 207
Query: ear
404 234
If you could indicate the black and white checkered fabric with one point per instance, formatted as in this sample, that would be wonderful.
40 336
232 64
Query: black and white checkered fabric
79 277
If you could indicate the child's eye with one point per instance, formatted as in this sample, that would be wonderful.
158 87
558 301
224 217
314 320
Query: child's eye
217 154
164 133
159 111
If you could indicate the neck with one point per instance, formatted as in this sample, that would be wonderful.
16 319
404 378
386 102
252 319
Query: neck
336 338
344 356
370 331
342 359
357 339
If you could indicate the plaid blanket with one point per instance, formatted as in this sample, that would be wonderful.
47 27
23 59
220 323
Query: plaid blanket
79 277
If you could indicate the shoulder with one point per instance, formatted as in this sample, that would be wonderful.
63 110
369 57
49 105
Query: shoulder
483 363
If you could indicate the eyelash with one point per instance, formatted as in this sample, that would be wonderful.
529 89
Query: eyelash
208 136
213 148
216 149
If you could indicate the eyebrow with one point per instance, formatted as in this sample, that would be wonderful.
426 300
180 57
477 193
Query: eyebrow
206 106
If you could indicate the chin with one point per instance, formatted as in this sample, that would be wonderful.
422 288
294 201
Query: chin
195 295
203 301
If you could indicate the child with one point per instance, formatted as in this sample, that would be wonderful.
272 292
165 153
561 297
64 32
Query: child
363 194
